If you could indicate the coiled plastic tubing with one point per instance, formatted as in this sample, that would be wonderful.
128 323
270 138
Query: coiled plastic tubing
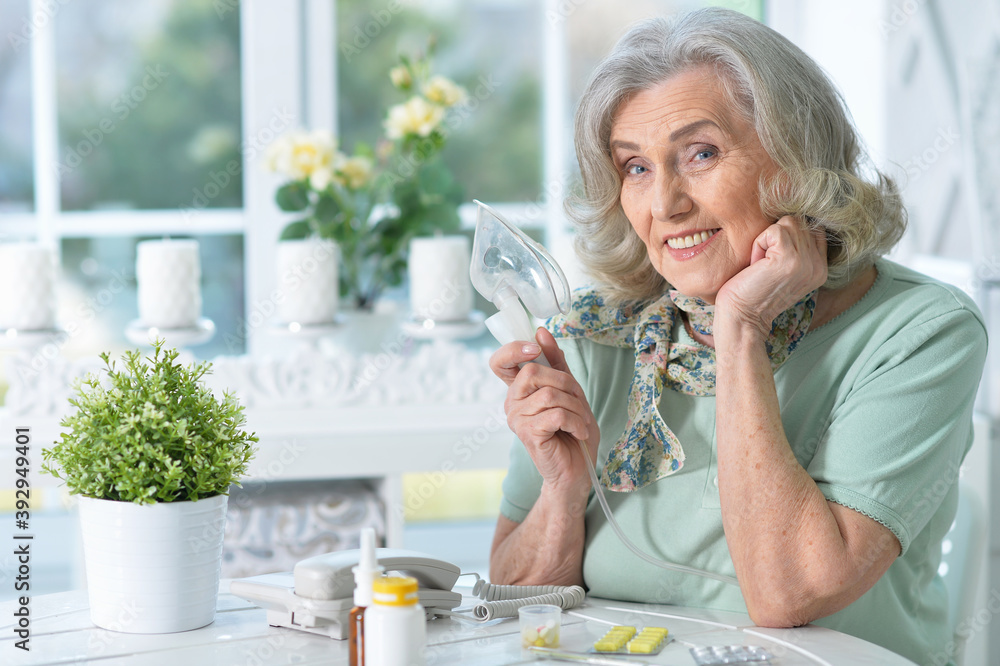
504 600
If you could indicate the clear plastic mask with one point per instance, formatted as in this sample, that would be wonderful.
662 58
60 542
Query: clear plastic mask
504 259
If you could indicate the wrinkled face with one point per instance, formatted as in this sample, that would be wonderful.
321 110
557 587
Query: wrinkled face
690 168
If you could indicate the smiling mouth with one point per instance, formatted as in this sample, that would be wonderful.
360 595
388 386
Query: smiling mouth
684 242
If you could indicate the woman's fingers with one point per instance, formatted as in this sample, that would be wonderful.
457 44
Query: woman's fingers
788 260
545 406
540 427
505 362
551 349
534 376
546 398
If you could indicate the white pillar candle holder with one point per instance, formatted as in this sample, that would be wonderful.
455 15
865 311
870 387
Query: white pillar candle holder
308 283
440 290
27 297
168 273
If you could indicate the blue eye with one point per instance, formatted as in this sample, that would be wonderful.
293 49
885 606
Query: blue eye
633 169
707 153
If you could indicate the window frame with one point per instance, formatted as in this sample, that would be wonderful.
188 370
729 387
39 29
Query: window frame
300 83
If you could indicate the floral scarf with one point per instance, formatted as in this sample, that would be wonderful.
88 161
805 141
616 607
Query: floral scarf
648 450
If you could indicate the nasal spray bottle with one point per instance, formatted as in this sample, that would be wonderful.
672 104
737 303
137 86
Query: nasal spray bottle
508 267
364 579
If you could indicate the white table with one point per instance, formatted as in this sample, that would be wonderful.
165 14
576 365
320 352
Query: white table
61 633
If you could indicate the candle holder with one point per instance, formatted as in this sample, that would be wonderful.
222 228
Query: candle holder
25 339
141 334
462 329
308 334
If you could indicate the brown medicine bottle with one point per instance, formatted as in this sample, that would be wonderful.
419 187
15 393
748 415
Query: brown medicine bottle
357 637
364 579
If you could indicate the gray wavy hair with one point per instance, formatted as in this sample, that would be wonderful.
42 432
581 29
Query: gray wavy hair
825 175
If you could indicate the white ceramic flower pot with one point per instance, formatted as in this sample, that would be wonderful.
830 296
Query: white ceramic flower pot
153 568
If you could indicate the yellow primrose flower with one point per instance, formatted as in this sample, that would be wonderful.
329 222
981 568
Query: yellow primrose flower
276 156
442 90
400 77
416 116
298 154
321 178
356 171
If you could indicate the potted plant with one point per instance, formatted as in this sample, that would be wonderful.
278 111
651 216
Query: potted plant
372 203
151 453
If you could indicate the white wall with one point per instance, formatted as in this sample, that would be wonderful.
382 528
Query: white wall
844 38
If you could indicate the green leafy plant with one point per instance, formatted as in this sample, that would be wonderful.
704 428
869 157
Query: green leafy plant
153 432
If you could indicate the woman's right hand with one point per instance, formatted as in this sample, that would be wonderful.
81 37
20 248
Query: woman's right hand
548 411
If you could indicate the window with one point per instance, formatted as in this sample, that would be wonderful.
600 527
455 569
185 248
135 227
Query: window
133 111
123 121
491 48
16 163
149 105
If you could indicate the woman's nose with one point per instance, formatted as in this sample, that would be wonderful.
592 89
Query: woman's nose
669 197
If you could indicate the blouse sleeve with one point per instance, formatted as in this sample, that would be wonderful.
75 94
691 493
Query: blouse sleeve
894 445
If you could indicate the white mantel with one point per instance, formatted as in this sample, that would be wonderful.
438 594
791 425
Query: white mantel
434 407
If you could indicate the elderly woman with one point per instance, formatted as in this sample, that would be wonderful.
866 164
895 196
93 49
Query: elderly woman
767 397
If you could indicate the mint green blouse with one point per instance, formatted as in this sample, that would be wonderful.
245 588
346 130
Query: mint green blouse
877 406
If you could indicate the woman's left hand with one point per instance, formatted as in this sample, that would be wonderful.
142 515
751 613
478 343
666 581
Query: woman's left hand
788 260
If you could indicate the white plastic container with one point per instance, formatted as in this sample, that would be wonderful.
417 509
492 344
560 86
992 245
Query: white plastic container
395 626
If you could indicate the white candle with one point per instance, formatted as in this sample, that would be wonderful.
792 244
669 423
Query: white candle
27 274
440 288
168 273
307 281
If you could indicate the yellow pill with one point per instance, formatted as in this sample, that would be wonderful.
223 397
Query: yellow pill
641 647
607 646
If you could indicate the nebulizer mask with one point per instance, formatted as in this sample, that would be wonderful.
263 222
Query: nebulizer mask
507 268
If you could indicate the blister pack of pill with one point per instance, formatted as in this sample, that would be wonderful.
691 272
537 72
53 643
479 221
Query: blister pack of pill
730 654
629 640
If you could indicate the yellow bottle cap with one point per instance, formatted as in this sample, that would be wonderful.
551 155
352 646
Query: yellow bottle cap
395 591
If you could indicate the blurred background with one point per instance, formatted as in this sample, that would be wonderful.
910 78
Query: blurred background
118 121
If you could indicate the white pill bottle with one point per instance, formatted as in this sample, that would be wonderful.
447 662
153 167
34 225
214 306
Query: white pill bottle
395 626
